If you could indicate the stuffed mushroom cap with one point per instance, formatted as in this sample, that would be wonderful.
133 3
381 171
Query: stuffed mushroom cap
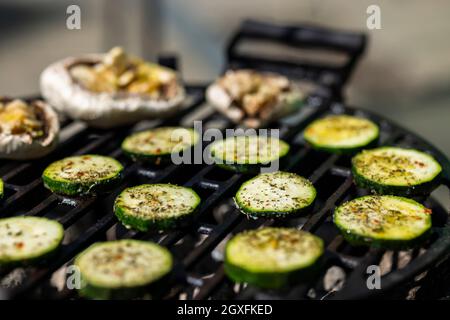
253 98
28 130
112 89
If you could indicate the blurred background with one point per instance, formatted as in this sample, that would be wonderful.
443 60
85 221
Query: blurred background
404 75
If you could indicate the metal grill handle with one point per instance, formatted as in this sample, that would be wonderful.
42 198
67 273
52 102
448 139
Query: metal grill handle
300 37
303 36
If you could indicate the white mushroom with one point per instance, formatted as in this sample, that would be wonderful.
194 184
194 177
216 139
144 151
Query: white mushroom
253 98
90 88
27 130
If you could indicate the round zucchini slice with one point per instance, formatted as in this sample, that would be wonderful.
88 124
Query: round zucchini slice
157 145
159 206
383 221
122 269
341 134
82 175
272 257
248 154
396 171
26 240
276 194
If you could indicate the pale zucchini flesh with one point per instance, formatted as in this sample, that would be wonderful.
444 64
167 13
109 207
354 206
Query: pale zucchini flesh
248 153
397 171
159 206
275 194
341 133
272 257
28 239
122 268
80 175
383 221
159 144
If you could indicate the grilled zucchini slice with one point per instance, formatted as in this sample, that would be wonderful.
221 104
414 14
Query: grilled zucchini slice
341 134
275 194
26 240
82 175
160 206
157 145
383 221
122 269
396 171
272 257
248 154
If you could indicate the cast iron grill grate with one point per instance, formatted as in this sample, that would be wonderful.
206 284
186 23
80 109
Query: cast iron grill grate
198 249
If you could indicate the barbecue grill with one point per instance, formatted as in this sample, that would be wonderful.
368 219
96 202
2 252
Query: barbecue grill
198 249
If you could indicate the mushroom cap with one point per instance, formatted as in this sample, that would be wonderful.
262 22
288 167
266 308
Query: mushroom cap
22 146
218 97
103 110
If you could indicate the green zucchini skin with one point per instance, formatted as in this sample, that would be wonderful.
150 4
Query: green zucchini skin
271 280
246 167
161 223
156 158
358 239
404 191
419 189
82 188
251 169
345 151
150 159
9 261
342 122
93 290
278 277
145 225
270 213
36 261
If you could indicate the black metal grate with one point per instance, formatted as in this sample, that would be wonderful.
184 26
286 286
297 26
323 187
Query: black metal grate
199 273
198 248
